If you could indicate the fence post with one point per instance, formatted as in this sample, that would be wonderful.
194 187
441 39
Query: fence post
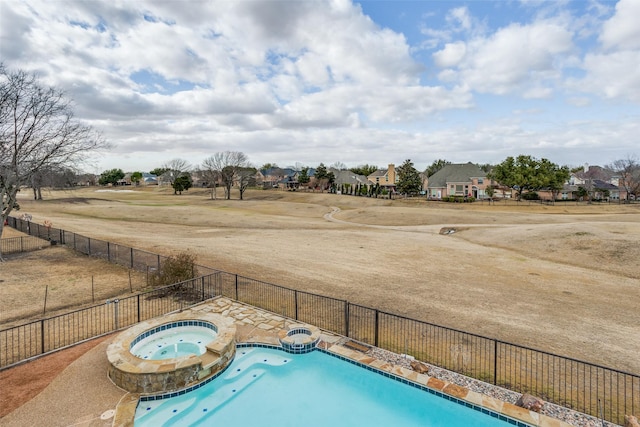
131 256
61 234
495 362
376 328
42 336
202 298
346 318
295 295
115 313
158 262
236 287
138 308
108 252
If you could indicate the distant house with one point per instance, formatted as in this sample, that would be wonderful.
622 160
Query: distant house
199 179
166 178
458 179
347 178
126 180
385 178
281 178
86 180
599 190
602 183
589 173
425 182
276 177
290 181
148 179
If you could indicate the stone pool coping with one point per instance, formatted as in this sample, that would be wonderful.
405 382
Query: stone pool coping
254 325
459 393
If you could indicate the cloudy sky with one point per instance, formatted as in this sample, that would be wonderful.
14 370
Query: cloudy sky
304 82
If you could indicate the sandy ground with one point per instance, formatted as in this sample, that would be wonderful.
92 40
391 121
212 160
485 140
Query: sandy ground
563 279
56 384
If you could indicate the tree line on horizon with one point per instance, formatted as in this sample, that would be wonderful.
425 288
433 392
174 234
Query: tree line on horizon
41 142
523 173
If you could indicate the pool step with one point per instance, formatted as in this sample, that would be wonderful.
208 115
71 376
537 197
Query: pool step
192 409
248 368
250 359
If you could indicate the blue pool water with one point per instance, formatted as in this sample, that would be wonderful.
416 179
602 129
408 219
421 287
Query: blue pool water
174 342
268 387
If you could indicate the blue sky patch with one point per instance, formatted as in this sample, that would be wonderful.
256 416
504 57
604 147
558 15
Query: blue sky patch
151 82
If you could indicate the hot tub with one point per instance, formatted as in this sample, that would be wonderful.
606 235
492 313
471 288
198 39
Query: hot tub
299 338
175 339
171 352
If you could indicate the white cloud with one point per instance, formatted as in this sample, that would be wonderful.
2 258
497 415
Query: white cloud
581 101
538 93
622 30
451 55
614 72
319 81
460 18
613 75
515 57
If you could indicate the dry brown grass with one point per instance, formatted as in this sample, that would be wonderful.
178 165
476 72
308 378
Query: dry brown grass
562 278
68 279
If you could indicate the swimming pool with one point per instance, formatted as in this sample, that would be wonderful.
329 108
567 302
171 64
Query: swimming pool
269 387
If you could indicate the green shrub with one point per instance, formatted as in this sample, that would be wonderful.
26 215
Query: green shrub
458 199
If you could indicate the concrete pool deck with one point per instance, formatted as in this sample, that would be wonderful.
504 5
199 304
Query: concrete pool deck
83 395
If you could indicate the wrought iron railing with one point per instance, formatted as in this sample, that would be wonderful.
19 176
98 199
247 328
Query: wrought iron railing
589 388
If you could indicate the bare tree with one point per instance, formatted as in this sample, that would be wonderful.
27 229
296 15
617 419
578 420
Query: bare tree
177 168
246 178
55 177
211 168
339 165
177 165
223 167
629 171
38 132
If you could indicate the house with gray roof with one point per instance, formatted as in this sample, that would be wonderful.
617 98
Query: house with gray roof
149 179
348 177
598 189
458 179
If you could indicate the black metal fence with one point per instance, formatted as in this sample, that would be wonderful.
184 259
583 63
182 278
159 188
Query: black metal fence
596 390
125 256
13 245
46 335
585 387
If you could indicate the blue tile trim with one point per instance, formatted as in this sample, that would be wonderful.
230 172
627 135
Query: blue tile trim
167 326
430 390
295 331
184 390
299 348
